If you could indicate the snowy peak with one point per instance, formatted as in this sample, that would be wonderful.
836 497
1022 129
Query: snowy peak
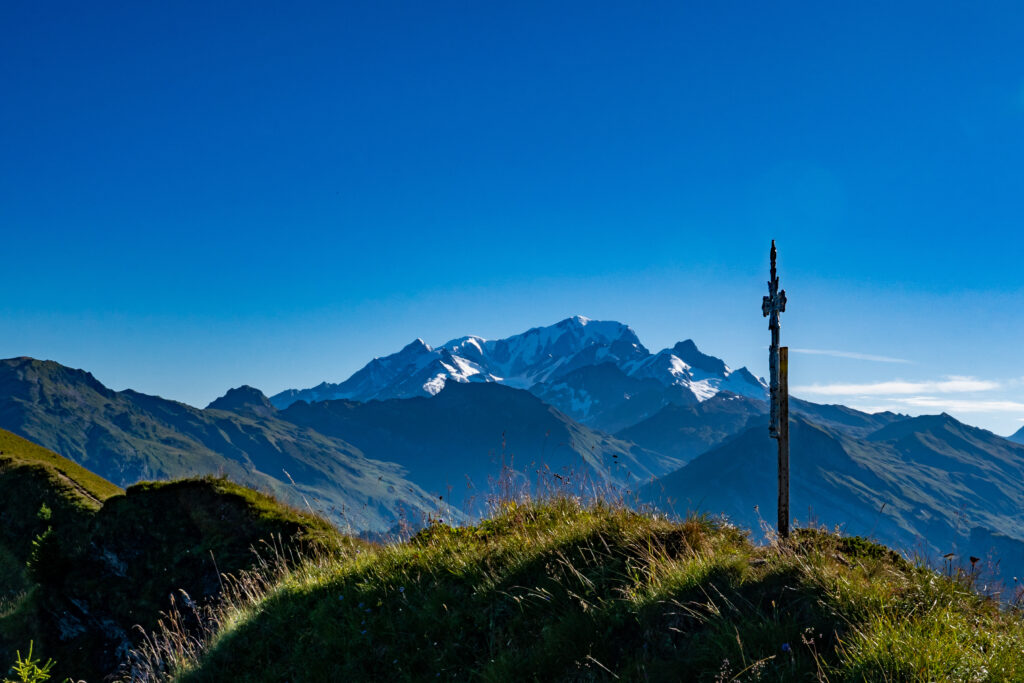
542 353
684 365
414 348
546 361
471 348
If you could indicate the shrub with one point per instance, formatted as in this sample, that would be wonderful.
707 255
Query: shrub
29 670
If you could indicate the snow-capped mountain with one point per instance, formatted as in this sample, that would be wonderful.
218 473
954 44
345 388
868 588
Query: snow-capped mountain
589 369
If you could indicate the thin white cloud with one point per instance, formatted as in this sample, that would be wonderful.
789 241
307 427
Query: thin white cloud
851 354
954 405
950 385
965 405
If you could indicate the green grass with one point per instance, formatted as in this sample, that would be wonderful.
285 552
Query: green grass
74 479
561 591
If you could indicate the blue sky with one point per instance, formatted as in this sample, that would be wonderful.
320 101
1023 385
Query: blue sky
199 195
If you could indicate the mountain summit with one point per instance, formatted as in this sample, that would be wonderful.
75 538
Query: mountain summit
557 363
244 399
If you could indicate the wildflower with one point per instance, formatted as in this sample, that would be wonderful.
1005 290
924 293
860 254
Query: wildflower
363 631
785 647
401 589
341 597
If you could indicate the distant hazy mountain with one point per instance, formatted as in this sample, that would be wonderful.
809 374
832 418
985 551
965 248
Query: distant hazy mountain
1018 436
126 436
843 419
686 431
927 484
597 372
455 442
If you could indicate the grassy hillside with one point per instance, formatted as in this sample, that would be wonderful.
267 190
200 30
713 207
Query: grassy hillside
82 562
559 591
76 481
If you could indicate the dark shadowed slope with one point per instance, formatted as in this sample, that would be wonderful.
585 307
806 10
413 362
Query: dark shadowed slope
686 431
461 438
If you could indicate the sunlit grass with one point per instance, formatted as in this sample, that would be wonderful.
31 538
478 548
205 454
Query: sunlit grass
561 590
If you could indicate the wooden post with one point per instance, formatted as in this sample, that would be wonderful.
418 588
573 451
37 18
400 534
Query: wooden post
784 442
772 306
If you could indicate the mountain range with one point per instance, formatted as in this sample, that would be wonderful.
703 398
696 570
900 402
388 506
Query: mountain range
126 436
580 405
596 372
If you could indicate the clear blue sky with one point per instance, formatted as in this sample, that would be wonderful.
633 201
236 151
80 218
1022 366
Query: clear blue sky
199 195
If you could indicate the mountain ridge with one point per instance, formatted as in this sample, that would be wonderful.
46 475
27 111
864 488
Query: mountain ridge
128 436
551 362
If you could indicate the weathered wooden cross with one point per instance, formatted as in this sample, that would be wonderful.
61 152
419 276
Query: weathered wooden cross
778 368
